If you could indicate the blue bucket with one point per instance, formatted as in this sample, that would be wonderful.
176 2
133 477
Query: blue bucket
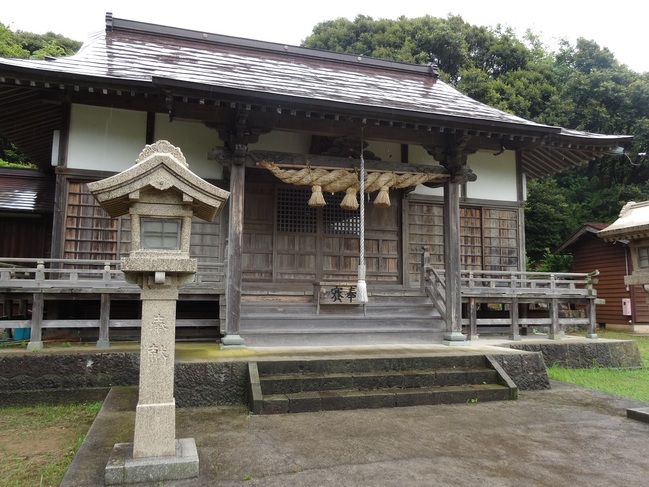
22 333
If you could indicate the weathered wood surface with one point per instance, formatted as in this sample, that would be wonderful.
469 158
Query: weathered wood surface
513 289
113 323
70 276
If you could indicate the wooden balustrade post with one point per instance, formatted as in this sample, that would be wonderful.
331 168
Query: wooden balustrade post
425 264
473 319
592 324
555 330
104 322
36 337
513 315
513 310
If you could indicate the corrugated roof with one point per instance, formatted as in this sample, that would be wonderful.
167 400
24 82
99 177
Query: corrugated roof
146 56
24 190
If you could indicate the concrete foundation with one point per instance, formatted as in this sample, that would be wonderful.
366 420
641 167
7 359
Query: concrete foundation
122 468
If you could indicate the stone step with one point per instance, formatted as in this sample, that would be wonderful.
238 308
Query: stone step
377 364
382 398
321 384
295 383
341 337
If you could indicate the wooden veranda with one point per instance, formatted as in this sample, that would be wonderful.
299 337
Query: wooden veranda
26 284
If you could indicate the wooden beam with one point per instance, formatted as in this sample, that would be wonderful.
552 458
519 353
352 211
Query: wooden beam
287 159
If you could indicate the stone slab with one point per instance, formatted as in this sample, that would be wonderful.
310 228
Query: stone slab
640 414
122 468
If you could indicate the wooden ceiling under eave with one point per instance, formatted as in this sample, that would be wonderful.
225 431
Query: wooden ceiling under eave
29 120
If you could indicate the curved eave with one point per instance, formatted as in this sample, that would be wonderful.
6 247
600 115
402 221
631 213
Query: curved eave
561 152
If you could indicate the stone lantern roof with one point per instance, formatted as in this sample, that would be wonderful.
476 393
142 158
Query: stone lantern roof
161 166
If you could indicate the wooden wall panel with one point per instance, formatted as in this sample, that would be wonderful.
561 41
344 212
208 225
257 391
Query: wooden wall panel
286 240
489 238
592 253
640 306
257 246
25 237
89 232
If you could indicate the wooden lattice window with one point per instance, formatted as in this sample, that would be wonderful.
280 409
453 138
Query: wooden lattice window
337 221
89 232
489 237
500 230
293 213
471 238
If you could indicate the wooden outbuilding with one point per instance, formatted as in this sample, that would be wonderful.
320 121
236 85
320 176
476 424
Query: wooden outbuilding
286 130
621 306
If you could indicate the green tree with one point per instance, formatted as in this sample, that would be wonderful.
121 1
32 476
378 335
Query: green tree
49 44
9 46
548 217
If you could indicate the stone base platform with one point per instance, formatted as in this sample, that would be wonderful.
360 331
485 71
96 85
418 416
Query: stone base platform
206 376
122 468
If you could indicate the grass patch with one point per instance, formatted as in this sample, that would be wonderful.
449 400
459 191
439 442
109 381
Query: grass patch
39 442
631 383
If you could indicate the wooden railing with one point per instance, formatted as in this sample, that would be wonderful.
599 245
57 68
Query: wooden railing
516 290
89 276
35 280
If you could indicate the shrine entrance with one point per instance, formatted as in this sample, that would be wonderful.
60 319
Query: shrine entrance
285 240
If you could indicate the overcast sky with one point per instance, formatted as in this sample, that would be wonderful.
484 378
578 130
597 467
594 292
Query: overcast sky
619 25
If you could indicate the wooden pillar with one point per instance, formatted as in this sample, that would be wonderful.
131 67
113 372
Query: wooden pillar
555 331
473 318
453 335
425 264
513 315
36 337
104 322
592 324
231 337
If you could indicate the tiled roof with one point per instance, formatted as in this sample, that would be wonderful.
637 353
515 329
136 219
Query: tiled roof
134 56
273 70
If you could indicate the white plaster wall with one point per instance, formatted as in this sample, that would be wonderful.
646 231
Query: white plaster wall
418 155
283 142
105 139
387 151
496 176
194 140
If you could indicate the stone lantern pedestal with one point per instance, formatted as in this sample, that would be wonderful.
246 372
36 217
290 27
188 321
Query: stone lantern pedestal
161 196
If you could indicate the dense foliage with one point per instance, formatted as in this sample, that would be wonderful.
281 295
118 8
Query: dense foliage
26 45
580 86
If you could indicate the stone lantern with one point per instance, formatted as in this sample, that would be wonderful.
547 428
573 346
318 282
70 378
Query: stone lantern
161 195
632 226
